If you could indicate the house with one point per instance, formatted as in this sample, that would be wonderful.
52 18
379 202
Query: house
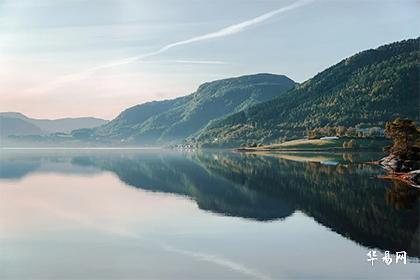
329 138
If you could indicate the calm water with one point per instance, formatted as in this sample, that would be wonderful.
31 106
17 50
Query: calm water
201 215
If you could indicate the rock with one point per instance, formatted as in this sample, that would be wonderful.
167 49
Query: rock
402 169
393 163
390 163
411 178
414 177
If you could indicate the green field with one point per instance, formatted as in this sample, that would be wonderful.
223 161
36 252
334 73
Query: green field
328 144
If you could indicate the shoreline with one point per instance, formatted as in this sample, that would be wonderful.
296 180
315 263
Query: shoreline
406 177
410 177
337 150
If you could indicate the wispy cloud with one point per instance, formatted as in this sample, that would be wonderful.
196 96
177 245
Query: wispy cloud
224 32
186 61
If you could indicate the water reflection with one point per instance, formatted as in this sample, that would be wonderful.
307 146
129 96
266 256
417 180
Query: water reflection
345 197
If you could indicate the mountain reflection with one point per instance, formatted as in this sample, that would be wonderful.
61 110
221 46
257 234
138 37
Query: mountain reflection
347 197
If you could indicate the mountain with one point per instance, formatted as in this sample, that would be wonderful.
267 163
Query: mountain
15 126
174 120
364 90
57 125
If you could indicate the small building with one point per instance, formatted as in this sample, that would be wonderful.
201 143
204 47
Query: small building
329 138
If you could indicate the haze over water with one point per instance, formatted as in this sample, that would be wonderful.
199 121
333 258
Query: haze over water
201 215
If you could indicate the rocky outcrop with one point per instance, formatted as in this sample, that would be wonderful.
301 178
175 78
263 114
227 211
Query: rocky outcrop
393 163
403 170
414 177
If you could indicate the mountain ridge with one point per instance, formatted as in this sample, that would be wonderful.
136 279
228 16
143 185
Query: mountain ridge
176 119
15 126
366 89
61 125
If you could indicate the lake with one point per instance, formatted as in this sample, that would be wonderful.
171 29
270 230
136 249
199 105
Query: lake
136 214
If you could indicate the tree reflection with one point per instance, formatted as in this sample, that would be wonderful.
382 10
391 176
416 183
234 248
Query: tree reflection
348 198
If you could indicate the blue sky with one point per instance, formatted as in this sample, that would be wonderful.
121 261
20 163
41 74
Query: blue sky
98 57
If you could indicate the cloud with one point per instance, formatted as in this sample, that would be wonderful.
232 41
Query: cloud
185 61
224 32
227 31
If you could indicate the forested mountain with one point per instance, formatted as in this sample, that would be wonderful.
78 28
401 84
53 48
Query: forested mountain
364 90
174 120
58 125
15 126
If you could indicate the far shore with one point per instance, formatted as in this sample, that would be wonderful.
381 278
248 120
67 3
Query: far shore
322 145
263 149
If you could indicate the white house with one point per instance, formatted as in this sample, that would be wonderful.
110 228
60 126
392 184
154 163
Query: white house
329 138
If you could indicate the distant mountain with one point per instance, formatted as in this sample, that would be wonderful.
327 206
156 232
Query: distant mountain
15 126
174 120
58 125
366 89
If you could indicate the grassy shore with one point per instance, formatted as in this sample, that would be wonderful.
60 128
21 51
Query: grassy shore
375 144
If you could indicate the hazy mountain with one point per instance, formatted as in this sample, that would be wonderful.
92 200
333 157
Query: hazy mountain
15 126
366 89
58 125
177 119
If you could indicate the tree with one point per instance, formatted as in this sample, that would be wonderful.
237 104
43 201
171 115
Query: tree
82 133
405 136
314 134
341 131
351 132
374 132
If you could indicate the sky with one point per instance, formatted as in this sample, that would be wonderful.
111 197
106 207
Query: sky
73 58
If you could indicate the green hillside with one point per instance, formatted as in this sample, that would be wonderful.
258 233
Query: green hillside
174 120
364 90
